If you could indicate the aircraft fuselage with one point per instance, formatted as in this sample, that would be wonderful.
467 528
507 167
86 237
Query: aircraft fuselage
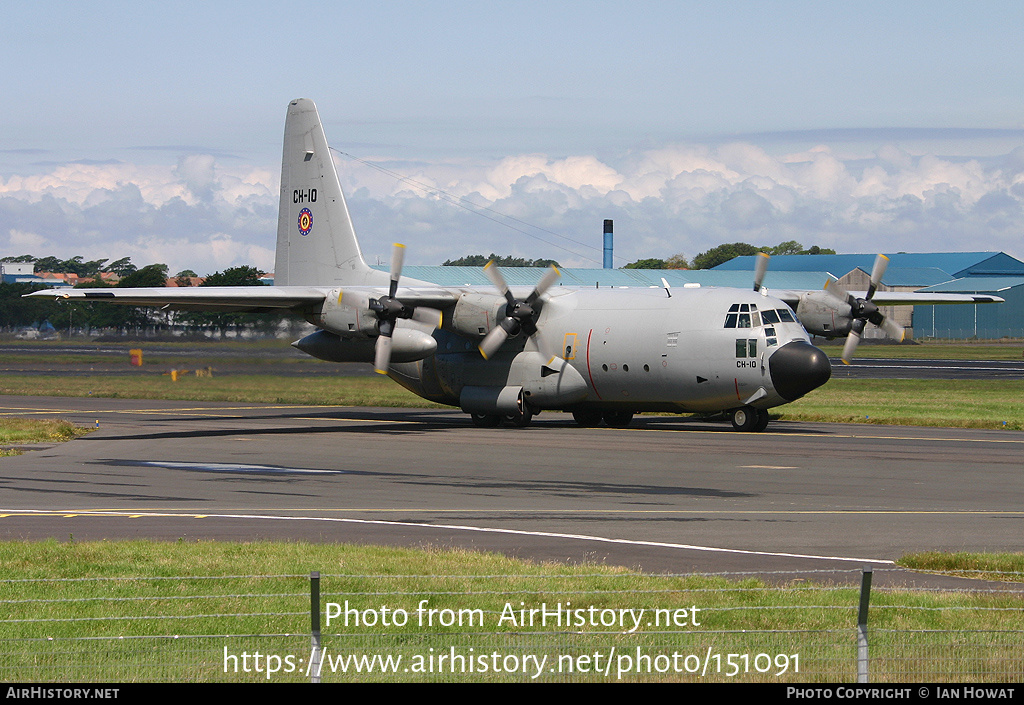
700 350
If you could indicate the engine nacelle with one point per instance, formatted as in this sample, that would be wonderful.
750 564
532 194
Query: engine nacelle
823 314
475 314
347 314
407 345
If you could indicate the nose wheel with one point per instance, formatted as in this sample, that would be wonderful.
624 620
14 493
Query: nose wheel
747 418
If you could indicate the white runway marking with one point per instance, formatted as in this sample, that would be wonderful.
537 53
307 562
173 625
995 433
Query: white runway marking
458 527
239 468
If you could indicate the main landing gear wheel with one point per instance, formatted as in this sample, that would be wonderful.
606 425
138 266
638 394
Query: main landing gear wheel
746 418
618 419
587 418
762 420
522 418
485 420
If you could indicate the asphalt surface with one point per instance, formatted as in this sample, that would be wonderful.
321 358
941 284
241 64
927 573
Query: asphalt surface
663 495
928 369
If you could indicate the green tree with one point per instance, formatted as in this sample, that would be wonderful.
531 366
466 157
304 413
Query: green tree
223 322
148 276
649 263
184 277
122 267
507 261
723 253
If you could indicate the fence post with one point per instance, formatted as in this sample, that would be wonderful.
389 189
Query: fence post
314 622
862 626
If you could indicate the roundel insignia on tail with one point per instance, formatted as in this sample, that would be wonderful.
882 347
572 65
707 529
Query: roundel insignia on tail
305 221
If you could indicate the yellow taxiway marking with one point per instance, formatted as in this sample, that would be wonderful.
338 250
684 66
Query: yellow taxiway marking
386 510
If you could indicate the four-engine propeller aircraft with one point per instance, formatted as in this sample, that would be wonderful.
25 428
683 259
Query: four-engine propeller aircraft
601 354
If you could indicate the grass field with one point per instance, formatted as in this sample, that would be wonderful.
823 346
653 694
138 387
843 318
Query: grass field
140 610
979 403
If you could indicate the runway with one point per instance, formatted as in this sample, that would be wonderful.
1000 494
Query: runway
663 495
883 368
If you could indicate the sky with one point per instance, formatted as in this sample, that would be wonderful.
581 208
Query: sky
154 130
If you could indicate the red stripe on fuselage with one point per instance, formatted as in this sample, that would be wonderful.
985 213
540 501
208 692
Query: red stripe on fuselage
589 373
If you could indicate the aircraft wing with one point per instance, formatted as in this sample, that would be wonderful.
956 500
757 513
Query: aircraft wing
898 298
238 298
913 298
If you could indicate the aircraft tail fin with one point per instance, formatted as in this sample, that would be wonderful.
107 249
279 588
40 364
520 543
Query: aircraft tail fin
316 242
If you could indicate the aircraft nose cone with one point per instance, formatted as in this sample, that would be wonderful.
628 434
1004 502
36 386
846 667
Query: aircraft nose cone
797 368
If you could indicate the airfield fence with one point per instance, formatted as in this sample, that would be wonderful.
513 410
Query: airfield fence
778 628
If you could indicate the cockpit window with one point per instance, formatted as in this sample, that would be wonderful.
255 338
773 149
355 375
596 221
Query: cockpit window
747 316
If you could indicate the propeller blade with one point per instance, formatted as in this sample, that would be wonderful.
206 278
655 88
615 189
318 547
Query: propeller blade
493 341
881 262
382 354
494 274
836 290
760 268
397 258
550 277
893 329
850 347
430 316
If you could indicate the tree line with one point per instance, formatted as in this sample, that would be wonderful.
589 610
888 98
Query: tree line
723 253
89 317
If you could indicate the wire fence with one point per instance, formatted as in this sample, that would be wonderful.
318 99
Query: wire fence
547 627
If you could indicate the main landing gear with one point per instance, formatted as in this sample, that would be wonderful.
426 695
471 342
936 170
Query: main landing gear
747 418
519 420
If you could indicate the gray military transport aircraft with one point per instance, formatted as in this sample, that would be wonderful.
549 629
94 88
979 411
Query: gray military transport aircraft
601 354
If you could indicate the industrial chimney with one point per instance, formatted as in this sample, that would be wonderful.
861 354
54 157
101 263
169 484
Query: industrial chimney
608 245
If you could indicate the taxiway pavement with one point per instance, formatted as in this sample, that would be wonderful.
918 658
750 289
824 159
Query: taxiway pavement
664 495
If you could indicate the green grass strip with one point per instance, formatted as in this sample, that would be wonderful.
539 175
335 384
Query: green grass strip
173 611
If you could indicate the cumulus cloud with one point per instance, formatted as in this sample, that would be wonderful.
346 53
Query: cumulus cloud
203 215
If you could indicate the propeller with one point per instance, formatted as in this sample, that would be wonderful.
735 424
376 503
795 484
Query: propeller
389 310
760 268
864 310
519 314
